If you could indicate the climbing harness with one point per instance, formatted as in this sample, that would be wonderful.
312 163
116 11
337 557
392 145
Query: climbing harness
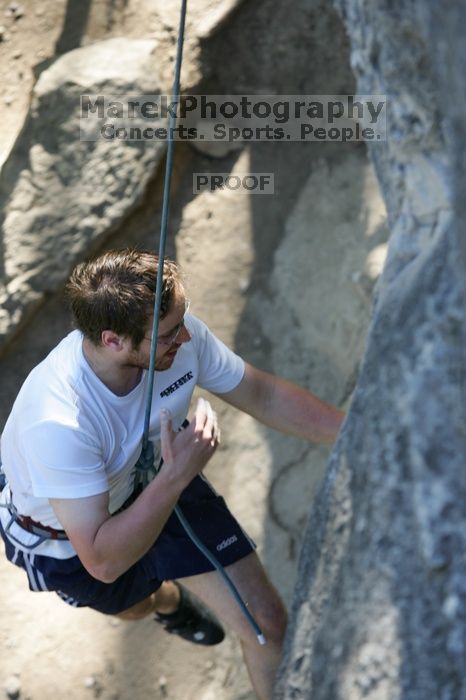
42 532
145 468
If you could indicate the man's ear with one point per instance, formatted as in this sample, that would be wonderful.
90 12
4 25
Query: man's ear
112 340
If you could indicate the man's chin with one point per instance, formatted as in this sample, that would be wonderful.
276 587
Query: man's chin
162 368
165 363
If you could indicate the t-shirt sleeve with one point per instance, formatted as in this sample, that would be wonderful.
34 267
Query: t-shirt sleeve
220 369
63 461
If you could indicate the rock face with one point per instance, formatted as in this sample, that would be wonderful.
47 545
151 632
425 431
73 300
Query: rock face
60 195
379 610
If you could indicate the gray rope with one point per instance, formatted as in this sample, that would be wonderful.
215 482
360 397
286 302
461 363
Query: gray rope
145 468
145 465
233 590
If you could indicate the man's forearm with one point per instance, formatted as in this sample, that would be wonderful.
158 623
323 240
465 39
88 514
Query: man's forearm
296 411
285 406
124 538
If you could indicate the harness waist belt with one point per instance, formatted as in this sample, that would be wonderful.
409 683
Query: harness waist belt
27 523
50 533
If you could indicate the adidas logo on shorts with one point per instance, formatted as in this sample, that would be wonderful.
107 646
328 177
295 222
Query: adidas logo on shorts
226 543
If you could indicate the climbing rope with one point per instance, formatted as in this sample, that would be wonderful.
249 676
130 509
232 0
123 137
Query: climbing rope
145 467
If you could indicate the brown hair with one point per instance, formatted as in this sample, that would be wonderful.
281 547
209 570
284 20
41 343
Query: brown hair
116 292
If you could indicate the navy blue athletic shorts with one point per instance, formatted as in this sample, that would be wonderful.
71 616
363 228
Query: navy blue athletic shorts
172 556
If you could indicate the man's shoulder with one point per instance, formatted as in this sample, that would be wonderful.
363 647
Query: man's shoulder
56 376
200 331
220 368
64 360
194 324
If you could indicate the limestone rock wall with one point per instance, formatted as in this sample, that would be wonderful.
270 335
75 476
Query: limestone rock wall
379 610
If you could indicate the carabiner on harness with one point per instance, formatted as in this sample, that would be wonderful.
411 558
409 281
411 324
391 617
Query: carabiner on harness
11 508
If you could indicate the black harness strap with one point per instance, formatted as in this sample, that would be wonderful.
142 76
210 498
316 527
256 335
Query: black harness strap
49 533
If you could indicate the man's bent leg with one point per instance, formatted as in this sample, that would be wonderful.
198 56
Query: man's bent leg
265 605
165 600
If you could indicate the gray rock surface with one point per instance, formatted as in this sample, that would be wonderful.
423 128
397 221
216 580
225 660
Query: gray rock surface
61 196
379 610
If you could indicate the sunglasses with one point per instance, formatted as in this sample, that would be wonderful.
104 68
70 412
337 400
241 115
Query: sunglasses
171 337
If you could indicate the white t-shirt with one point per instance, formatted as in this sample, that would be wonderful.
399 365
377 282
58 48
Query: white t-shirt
69 436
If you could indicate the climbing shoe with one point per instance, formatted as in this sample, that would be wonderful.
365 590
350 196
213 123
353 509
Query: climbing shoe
192 621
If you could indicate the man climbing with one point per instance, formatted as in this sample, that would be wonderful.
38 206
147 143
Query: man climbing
74 516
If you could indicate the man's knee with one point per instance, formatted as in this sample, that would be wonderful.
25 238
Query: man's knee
271 616
138 611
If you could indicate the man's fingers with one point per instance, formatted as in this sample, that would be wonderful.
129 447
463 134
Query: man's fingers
209 423
165 425
216 430
211 429
206 420
188 451
200 415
